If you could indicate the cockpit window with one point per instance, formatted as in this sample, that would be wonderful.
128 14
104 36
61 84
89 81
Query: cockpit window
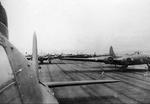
5 68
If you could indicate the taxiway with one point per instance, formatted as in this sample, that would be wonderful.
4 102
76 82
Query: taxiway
134 87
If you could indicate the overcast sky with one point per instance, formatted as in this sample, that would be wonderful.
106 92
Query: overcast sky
85 26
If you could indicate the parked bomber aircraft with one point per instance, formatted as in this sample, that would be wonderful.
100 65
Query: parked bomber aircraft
47 57
42 58
124 61
28 57
19 81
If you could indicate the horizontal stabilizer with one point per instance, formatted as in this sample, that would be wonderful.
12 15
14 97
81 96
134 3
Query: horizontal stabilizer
76 83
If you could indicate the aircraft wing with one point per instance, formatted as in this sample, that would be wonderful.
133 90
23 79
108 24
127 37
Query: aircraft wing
85 59
77 83
99 59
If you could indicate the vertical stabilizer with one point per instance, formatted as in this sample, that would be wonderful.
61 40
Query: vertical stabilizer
111 52
35 55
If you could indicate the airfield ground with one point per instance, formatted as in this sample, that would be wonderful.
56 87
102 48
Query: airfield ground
134 87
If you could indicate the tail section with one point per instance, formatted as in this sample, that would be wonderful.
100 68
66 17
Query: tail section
35 55
111 52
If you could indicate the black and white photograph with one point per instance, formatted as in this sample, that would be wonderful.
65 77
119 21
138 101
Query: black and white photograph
74 51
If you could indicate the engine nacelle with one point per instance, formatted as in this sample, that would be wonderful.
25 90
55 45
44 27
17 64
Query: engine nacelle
109 60
129 60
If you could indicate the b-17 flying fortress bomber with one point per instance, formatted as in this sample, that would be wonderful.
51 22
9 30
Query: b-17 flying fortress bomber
124 61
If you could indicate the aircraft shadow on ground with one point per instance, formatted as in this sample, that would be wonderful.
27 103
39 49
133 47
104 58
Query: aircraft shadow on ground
87 100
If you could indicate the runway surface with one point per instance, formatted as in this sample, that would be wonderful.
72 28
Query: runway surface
134 87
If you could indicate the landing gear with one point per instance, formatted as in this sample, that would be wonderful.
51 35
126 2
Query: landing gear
147 72
148 66
49 61
41 61
115 66
124 67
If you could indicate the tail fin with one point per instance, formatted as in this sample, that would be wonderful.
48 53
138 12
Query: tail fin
35 55
111 52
